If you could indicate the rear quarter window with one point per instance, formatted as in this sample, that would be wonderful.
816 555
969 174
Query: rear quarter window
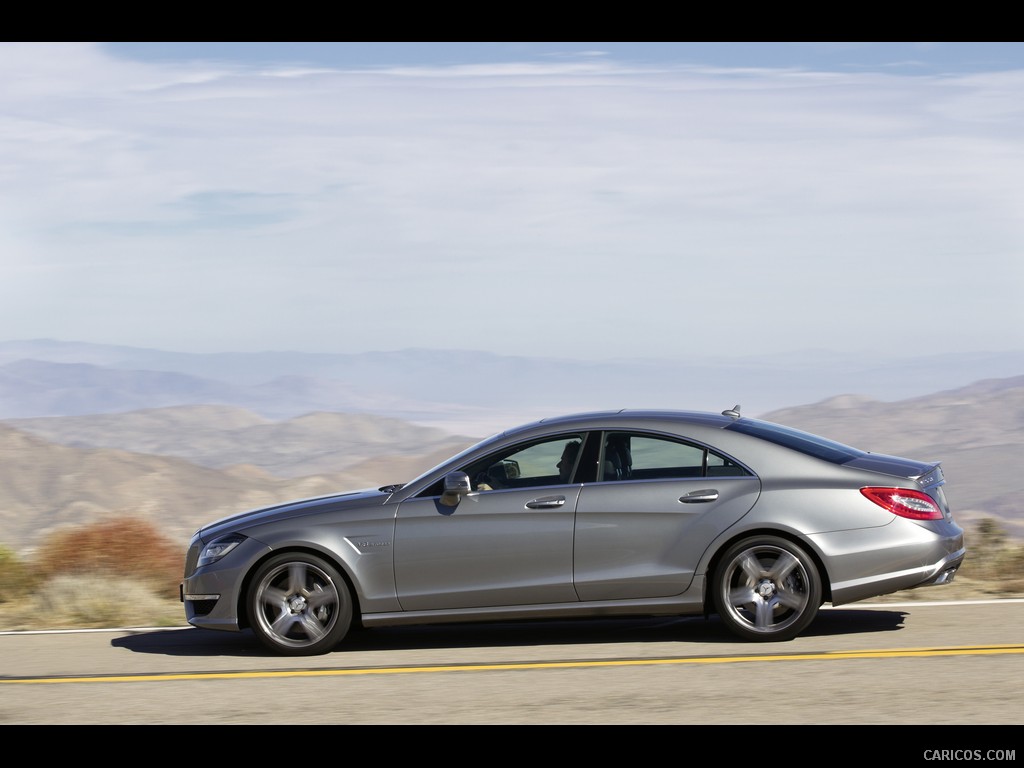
797 440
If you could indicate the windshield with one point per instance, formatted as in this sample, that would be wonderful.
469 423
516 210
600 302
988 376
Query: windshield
458 456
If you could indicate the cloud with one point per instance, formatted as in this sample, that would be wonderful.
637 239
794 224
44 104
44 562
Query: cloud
582 206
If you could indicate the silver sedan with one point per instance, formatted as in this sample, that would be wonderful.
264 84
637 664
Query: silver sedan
599 514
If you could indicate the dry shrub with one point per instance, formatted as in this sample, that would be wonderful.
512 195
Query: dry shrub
993 558
84 600
123 546
16 578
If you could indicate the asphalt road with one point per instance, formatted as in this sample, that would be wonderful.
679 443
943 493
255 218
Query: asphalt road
886 664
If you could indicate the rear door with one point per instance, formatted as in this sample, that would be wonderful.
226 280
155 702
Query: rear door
659 502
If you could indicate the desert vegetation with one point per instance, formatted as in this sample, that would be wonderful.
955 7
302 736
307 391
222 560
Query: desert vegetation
123 572
993 558
119 571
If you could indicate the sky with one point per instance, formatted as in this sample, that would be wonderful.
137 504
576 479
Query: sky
570 200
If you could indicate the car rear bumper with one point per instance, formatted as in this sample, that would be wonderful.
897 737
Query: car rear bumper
934 574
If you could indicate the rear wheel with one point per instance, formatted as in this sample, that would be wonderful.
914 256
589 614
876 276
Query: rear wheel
299 605
767 588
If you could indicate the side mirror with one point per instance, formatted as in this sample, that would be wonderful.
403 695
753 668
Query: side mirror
456 485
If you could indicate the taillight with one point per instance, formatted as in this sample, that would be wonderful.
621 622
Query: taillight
905 502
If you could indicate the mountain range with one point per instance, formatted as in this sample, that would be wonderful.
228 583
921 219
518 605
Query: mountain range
458 389
88 431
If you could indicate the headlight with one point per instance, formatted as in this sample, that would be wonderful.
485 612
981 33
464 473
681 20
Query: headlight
217 548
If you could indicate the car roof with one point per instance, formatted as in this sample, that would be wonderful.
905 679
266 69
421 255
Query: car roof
631 415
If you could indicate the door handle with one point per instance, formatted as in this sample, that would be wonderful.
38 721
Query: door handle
547 502
700 497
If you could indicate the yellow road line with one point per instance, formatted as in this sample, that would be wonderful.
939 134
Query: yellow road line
894 653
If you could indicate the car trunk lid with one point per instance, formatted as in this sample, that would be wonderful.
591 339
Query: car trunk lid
928 475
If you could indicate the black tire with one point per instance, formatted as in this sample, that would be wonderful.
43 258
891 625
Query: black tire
766 588
299 605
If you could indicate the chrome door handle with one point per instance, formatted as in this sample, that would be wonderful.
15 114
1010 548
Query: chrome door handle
699 497
547 502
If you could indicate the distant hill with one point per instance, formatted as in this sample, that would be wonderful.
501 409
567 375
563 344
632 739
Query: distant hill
457 390
185 465
219 437
976 431
44 485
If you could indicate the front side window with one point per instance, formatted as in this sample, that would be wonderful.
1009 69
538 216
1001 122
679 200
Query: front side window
630 456
551 461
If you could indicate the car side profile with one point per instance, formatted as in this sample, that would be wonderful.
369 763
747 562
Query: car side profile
617 513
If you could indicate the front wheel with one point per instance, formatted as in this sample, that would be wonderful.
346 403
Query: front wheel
766 588
299 605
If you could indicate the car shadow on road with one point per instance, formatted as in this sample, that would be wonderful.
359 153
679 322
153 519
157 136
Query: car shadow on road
693 629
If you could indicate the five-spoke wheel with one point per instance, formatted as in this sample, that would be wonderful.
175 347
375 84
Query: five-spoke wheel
766 588
299 605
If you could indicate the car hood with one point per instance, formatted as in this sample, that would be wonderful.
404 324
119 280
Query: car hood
293 508
896 466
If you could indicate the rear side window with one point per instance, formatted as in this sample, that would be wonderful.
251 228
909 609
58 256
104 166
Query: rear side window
795 439
629 456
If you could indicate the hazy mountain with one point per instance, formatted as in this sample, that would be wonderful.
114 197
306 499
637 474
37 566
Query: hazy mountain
44 485
977 432
183 466
222 436
31 388
92 430
455 388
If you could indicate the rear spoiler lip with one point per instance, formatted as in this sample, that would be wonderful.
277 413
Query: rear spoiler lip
925 473
931 477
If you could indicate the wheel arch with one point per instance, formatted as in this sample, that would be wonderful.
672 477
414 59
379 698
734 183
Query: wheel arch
723 546
242 607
